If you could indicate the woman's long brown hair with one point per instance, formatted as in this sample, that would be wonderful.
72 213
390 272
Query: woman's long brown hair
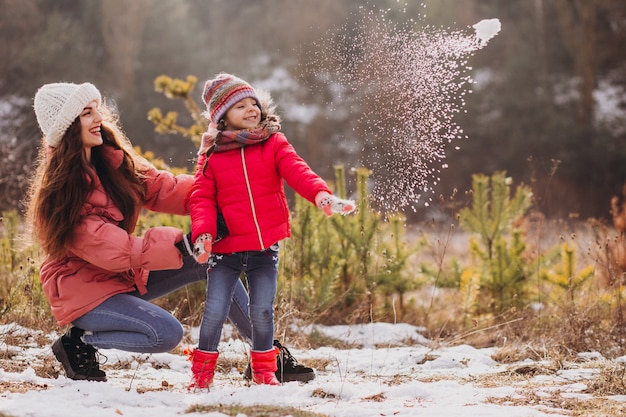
65 178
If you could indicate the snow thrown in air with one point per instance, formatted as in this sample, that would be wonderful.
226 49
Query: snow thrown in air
406 82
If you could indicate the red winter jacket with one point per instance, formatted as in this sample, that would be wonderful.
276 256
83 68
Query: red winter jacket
247 186
104 259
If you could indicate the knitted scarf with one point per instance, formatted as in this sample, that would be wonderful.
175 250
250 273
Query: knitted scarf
214 140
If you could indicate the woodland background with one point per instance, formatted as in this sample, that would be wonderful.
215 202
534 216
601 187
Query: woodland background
527 250
548 106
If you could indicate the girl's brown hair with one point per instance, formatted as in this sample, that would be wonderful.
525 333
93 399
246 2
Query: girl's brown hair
64 178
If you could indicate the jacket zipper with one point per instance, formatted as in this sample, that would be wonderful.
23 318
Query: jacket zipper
254 216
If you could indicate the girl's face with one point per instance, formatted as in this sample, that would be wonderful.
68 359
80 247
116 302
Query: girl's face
90 123
246 114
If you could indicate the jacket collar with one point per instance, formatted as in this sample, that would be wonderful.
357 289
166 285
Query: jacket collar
114 156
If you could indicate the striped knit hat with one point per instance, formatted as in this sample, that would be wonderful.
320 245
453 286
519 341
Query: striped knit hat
223 92
57 105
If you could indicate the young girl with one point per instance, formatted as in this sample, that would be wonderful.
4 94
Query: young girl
84 203
243 182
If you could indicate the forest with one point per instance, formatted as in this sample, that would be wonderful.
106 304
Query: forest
489 178
547 102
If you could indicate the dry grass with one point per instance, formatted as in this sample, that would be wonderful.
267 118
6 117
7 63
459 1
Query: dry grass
554 402
16 341
252 411
20 387
546 395
610 381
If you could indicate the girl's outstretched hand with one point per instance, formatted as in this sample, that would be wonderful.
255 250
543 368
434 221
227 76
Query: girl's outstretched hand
330 204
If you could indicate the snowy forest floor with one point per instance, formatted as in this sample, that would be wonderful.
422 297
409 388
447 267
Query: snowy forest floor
377 369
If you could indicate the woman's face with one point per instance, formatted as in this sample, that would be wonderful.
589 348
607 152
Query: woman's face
246 114
90 123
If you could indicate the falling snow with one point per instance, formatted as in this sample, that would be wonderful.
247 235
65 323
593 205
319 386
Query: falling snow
407 82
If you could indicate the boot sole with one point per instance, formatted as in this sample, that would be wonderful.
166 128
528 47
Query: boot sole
61 355
301 377
305 377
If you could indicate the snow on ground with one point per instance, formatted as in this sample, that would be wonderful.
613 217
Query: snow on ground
394 371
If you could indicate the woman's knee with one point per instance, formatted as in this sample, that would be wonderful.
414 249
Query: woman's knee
170 336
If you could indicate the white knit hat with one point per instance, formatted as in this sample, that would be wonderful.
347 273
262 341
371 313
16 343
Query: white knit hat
57 105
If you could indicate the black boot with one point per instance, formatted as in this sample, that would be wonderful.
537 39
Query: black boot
79 359
288 367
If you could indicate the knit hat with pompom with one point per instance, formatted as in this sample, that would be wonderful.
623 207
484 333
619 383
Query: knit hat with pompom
223 92
57 105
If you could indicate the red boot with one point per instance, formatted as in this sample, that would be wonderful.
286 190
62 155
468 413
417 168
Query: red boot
203 367
264 367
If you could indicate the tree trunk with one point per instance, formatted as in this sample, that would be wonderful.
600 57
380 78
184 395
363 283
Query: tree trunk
577 20
123 23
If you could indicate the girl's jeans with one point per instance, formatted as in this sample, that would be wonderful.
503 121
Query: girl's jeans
261 269
132 323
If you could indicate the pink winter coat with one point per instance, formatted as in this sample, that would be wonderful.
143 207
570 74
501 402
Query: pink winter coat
104 259
247 186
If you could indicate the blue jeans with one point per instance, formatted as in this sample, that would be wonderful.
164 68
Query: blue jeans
132 323
261 269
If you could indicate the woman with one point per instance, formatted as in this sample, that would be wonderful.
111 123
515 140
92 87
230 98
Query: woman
83 206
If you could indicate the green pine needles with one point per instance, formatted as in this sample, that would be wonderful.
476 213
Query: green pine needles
346 269
497 246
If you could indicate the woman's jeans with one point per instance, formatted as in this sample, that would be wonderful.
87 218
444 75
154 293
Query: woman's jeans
261 269
132 323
